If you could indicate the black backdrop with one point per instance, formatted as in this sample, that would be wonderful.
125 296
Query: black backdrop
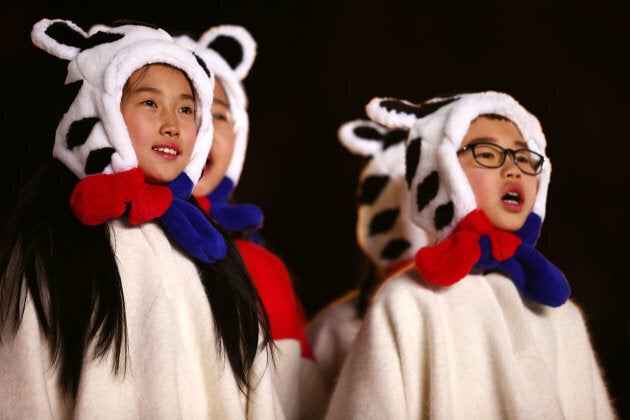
319 63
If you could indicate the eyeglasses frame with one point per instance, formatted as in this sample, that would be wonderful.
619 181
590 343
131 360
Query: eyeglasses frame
505 152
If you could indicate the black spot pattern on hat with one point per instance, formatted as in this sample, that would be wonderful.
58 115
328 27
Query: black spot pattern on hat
67 35
394 249
394 136
367 133
229 48
79 131
443 215
412 158
388 139
371 188
427 190
98 160
383 221
419 111
202 64
69 94
100 38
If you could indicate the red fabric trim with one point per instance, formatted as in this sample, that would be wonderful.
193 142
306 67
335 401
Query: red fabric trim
97 198
271 278
204 203
453 258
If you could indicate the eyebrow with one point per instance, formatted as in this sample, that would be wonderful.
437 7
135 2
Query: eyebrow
151 89
221 102
520 143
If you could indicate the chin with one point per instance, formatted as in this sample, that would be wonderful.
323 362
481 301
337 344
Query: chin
511 226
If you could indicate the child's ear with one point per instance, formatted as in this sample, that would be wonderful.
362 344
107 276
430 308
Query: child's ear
234 44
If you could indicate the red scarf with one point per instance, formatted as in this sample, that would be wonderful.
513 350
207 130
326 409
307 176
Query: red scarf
452 259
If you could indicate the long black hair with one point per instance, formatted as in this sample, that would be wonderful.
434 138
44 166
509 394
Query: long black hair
78 296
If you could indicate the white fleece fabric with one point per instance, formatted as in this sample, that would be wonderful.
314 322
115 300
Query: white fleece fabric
474 350
331 333
298 382
174 369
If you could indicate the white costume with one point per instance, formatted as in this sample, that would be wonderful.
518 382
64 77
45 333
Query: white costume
172 364
500 341
384 231
474 350
230 51
174 368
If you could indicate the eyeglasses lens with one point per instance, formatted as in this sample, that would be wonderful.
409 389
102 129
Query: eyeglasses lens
493 156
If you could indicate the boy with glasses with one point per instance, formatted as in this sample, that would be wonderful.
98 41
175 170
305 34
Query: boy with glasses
482 327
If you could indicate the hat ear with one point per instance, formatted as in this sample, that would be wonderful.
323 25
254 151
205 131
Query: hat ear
65 40
234 44
392 112
367 138
402 113
60 38
97 28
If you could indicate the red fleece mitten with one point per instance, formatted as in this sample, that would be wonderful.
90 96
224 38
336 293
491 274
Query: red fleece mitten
98 198
454 257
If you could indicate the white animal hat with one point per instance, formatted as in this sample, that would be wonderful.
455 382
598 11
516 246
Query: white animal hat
229 50
384 229
92 137
439 188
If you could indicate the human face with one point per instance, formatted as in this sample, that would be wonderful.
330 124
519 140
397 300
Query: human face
222 144
505 194
158 107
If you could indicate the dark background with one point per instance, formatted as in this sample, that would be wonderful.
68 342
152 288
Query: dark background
318 65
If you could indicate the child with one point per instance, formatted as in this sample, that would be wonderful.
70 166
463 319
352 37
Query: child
384 233
118 298
229 51
483 327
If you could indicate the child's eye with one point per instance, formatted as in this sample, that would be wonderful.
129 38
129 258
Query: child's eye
220 117
486 155
149 102
187 110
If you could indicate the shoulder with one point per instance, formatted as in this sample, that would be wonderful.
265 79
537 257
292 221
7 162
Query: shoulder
405 286
339 314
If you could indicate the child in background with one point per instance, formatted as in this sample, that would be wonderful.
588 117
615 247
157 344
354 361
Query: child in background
229 51
118 298
482 327
384 233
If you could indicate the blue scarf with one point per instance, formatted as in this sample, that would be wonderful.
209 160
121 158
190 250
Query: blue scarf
534 276
234 217
189 227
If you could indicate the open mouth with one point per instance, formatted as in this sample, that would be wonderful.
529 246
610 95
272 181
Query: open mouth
167 150
512 197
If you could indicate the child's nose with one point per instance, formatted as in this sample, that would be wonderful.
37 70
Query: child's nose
510 168
169 126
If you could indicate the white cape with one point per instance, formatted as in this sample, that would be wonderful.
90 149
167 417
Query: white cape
174 369
474 350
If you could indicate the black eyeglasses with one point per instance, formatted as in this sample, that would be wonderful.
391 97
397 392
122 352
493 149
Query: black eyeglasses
492 155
